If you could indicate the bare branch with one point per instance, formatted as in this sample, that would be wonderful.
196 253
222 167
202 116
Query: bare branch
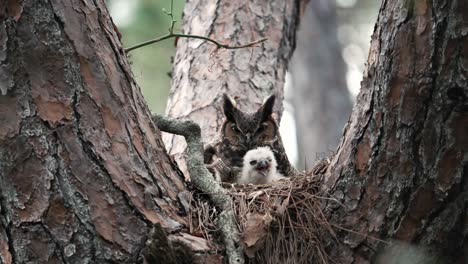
171 34
218 44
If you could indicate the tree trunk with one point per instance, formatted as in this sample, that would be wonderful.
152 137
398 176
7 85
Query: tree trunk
83 170
202 74
401 168
320 96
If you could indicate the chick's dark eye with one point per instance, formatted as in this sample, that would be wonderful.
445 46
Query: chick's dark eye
253 162
269 159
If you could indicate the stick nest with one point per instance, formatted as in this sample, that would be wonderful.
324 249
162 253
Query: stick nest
280 222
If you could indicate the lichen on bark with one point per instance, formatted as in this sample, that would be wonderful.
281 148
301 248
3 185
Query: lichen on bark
204 181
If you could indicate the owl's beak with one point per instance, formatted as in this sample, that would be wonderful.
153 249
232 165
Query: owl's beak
248 141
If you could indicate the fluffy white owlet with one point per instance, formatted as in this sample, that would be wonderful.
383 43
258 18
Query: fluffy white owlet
259 167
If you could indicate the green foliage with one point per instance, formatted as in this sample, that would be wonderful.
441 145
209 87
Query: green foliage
150 64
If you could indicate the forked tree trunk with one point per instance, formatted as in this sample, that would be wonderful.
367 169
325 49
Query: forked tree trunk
401 169
83 171
202 74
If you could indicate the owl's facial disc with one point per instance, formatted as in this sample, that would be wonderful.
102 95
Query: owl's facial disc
231 133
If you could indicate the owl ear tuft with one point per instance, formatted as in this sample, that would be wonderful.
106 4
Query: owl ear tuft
229 107
267 107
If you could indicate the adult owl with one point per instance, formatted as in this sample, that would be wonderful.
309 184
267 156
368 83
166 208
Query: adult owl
241 132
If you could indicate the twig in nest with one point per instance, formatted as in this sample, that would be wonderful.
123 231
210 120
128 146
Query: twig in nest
204 182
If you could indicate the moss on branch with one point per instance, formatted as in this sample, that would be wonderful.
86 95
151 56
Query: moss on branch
203 180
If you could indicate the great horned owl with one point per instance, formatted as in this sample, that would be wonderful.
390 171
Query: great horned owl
259 167
242 132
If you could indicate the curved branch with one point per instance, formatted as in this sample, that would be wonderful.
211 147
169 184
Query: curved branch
204 181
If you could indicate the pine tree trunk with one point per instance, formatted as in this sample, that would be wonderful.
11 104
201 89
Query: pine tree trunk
400 172
201 74
319 94
83 170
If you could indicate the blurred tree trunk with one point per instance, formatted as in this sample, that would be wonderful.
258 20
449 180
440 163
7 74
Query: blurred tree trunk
201 74
319 93
402 167
83 171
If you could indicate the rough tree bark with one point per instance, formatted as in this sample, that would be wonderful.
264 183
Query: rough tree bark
201 74
319 94
402 166
83 173
83 170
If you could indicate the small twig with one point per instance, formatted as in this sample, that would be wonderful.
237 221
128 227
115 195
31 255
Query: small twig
204 181
171 34
359 233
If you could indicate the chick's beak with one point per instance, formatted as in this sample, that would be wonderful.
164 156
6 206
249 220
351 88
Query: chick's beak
262 166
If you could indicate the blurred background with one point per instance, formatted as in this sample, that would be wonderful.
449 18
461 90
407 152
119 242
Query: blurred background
141 20
324 74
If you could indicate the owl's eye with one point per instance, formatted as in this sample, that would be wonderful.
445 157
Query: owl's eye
269 159
234 128
253 162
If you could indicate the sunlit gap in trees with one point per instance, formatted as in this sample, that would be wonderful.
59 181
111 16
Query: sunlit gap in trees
356 19
345 3
288 123
123 11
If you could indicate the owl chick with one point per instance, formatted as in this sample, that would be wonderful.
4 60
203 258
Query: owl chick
259 167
